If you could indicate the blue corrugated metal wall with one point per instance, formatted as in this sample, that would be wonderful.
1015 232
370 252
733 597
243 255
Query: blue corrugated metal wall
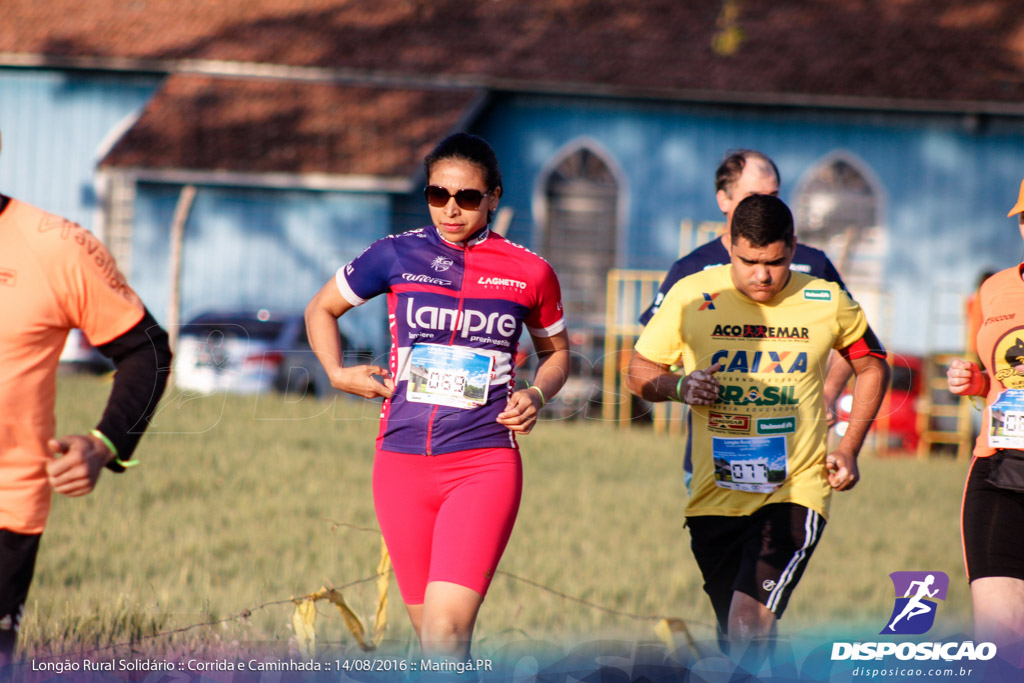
53 125
257 249
946 183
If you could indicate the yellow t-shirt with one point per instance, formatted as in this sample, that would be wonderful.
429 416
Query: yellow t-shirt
764 440
54 276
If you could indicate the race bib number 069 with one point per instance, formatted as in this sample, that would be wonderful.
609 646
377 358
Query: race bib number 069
448 376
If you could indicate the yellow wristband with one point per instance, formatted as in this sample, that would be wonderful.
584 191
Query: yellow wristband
113 449
543 401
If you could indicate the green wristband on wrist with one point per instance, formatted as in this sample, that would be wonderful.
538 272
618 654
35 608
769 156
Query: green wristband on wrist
113 449
543 401
679 389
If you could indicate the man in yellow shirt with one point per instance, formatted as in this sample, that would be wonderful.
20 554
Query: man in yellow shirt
755 337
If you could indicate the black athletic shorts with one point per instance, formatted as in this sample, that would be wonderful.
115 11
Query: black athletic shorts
991 522
17 562
762 555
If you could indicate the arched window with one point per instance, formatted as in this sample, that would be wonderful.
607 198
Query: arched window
580 219
838 210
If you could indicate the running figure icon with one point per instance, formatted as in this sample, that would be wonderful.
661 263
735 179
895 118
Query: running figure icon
916 604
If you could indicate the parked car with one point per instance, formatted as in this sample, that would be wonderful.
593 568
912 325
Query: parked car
582 394
249 352
79 355
900 407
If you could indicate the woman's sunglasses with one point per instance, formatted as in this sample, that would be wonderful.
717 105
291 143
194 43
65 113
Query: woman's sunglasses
468 200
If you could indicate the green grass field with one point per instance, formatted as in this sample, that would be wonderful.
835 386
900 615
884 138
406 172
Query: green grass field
244 501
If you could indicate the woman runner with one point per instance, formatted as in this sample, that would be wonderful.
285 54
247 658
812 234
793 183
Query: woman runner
447 474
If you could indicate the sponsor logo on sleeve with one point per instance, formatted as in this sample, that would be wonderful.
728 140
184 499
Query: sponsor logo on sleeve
818 294
999 318
94 251
709 299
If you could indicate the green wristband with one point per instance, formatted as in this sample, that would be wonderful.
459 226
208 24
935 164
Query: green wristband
543 401
113 449
679 389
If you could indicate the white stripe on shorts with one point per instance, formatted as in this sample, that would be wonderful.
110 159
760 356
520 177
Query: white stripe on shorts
812 529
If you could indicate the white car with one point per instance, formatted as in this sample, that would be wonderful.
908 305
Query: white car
79 355
248 352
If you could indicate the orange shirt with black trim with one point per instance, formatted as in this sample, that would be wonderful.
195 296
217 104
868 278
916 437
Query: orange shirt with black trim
1000 341
54 276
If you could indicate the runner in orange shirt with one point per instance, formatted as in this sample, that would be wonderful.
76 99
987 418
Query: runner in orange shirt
55 276
972 310
993 505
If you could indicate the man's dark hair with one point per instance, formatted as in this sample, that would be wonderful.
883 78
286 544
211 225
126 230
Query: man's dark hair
731 168
762 220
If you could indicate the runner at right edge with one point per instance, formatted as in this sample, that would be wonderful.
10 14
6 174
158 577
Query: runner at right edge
993 505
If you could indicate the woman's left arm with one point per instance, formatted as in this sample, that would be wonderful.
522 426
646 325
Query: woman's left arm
520 415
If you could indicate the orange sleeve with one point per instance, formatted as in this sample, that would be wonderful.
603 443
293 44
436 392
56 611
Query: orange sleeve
89 288
973 322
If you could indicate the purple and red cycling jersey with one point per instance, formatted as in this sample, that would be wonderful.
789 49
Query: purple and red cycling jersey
475 295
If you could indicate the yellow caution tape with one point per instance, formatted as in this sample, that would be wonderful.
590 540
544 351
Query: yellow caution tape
305 611
355 625
302 622
665 630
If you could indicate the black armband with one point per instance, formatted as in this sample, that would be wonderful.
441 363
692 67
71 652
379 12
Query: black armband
868 345
142 362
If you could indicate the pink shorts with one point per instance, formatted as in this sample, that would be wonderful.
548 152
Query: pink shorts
446 517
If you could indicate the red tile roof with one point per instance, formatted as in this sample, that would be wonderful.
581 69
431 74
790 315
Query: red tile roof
951 50
949 54
266 125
